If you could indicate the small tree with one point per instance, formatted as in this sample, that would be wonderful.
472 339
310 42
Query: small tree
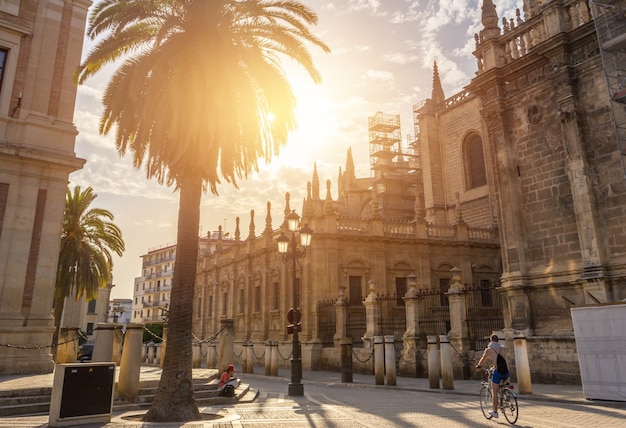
85 259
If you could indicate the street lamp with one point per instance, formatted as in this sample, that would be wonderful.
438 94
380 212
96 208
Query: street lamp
288 248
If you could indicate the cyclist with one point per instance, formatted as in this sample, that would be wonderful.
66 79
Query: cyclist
491 353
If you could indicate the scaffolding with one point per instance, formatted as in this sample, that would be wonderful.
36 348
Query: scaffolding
610 24
393 167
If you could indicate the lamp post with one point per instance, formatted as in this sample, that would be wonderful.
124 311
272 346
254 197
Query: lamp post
288 248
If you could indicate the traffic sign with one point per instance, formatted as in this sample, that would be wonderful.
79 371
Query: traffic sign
293 316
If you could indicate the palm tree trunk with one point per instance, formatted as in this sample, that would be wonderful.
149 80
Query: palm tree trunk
59 303
174 401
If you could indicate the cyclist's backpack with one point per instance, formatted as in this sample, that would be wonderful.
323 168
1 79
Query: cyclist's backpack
501 365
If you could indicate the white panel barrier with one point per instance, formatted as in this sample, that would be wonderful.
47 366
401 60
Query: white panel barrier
600 333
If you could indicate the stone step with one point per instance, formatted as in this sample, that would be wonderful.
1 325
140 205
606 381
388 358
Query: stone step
36 401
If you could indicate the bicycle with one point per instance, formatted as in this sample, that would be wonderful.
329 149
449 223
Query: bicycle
507 399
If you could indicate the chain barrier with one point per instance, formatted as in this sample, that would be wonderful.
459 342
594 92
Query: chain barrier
464 358
200 346
32 347
281 355
211 337
240 354
153 335
417 360
362 361
254 353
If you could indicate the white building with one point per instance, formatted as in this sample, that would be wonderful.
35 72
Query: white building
120 311
151 293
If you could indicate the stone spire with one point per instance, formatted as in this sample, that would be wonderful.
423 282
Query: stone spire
315 183
287 209
489 20
437 95
251 229
350 164
268 218
237 231
328 203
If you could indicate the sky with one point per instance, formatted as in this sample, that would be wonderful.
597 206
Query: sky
381 60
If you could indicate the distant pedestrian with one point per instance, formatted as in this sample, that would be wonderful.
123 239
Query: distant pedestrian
228 383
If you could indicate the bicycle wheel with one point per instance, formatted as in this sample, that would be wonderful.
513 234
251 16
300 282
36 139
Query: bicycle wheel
485 401
508 406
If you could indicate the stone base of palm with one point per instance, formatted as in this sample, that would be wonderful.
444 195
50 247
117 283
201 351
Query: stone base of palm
68 348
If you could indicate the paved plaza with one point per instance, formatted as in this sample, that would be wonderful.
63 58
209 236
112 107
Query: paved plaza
330 403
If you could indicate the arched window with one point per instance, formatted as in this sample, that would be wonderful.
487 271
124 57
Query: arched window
475 171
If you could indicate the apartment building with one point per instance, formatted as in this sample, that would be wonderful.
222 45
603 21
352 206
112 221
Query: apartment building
151 292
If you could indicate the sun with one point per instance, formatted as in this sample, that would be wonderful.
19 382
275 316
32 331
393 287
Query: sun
316 124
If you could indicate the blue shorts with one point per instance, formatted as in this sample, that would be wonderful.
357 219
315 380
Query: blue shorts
497 377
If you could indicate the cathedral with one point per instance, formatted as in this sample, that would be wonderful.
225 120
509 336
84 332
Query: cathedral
513 190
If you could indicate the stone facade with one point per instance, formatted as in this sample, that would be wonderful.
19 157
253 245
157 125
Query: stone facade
41 44
528 151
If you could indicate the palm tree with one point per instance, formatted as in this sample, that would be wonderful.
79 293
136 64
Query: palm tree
199 95
85 259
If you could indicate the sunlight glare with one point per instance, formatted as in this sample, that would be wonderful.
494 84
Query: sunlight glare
316 125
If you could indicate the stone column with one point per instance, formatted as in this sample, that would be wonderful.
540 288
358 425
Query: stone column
379 360
268 358
411 338
341 317
371 315
118 339
103 346
433 362
226 349
447 373
346 359
275 358
130 367
458 313
390 360
522 365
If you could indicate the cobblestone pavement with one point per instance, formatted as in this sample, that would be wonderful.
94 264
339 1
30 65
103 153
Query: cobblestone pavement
330 404
344 407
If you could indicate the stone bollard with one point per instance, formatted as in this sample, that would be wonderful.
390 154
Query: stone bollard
163 345
211 356
275 358
118 339
130 366
522 366
379 360
390 360
247 358
346 359
433 362
151 352
68 345
226 349
447 372
196 354
144 353
103 346
268 358
158 353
